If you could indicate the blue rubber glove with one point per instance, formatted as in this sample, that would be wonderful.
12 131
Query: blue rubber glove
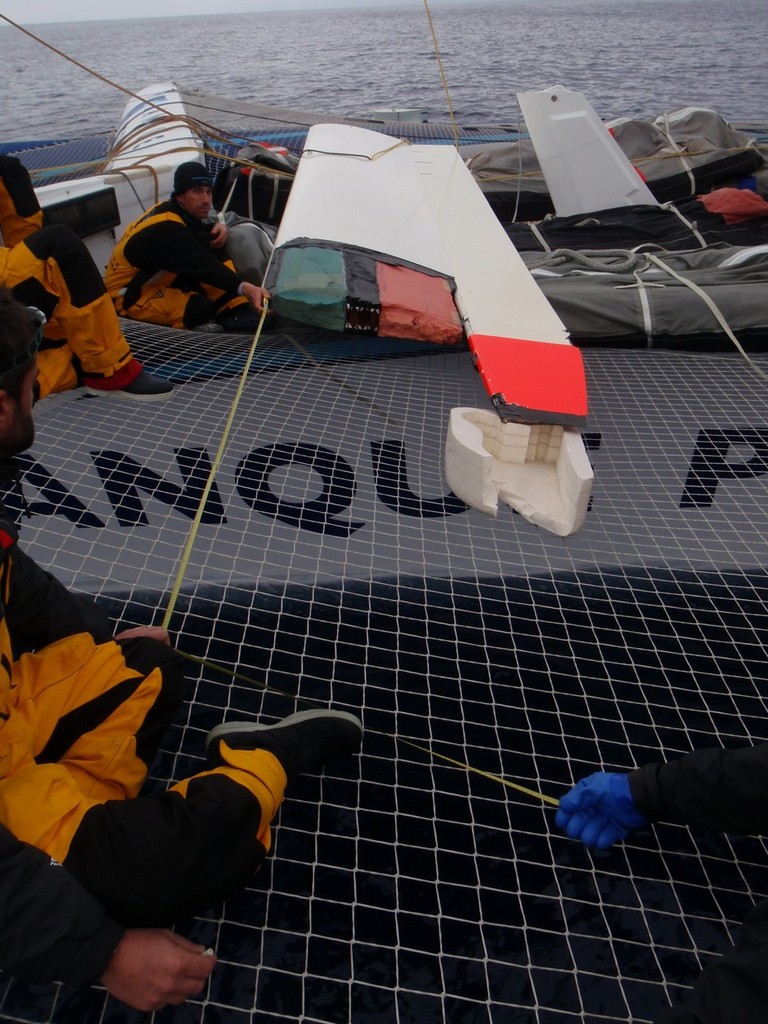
599 810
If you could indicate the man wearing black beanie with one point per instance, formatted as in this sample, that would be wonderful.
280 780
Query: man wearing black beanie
170 266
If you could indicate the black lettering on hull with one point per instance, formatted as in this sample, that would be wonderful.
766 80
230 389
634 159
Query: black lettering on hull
710 463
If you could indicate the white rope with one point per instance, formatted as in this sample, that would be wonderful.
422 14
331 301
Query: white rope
680 154
688 223
228 200
618 261
645 305
712 305
537 234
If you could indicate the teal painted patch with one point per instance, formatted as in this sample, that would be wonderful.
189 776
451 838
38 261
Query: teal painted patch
311 286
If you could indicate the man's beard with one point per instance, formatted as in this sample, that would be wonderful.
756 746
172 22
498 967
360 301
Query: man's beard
19 435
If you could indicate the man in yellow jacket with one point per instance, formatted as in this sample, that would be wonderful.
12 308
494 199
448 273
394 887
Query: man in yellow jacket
51 269
170 266
92 874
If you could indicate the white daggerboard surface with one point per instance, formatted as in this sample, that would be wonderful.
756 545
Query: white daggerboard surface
495 292
419 205
582 163
361 188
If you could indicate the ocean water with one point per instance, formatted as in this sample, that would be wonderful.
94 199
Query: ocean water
629 58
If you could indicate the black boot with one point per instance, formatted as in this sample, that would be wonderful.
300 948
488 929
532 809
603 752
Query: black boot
302 742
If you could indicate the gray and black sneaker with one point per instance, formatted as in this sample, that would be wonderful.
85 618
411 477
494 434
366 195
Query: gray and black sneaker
144 388
302 742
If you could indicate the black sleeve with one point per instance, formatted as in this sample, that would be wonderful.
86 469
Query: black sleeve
732 987
51 929
723 790
40 610
173 247
19 186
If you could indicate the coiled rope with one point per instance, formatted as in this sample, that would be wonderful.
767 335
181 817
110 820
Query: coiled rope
614 261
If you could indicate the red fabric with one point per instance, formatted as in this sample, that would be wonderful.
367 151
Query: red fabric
416 305
120 378
734 204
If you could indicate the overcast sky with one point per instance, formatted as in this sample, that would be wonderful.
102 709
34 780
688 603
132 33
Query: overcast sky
27 12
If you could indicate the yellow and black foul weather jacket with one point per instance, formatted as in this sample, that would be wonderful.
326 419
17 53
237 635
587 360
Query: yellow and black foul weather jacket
20 212
51 928
166 251
49 267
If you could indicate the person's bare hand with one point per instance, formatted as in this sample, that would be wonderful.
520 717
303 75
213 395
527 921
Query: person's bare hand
219 235
153 632
152 968
256 295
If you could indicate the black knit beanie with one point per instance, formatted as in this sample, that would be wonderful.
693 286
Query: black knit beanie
191 175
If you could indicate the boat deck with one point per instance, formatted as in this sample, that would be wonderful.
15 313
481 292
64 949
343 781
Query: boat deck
412 884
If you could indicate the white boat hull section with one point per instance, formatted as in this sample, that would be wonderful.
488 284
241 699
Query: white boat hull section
540 470
154 132
584 168
149 145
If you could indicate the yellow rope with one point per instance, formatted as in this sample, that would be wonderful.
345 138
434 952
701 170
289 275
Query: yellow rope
442 74
486 775
217 667
242 677
214 469
197 126
358 156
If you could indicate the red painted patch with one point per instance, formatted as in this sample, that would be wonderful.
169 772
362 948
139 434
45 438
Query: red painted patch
544 382
416 305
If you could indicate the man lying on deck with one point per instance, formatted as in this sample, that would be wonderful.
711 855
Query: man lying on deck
51 269
171 268
91 873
